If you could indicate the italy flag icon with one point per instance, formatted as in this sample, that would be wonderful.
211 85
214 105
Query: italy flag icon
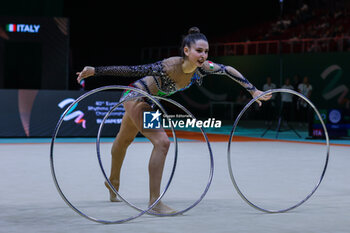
11 27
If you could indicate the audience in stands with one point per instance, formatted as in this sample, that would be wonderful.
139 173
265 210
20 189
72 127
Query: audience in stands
303 23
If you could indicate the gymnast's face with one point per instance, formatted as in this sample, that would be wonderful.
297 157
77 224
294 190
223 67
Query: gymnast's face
197 54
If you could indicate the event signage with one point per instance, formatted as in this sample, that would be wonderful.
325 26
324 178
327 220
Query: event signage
29 28
35 113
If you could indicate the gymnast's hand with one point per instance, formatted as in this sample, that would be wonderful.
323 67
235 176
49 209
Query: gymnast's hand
264 98
85 73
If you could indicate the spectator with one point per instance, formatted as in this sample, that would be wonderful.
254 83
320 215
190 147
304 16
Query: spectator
269 85
287 101
305 88
269 108
295 84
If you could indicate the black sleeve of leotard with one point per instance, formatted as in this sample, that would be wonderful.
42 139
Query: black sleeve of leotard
154 69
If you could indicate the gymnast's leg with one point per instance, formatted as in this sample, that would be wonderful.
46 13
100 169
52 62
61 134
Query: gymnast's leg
161 144
124 138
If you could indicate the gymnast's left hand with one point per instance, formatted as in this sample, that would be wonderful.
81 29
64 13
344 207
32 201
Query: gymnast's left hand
263 98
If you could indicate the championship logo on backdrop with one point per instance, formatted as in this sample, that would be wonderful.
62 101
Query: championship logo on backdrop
78 115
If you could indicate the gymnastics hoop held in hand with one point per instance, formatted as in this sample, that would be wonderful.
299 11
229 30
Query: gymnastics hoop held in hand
232 134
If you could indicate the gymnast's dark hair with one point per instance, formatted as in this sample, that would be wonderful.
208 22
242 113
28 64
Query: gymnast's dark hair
193 35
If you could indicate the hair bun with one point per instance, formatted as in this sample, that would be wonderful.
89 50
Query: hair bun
193 30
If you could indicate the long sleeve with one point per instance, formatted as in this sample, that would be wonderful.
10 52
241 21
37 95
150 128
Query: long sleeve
213 68
154 69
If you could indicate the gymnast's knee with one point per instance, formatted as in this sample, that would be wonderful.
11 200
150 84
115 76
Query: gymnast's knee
121 143
162 144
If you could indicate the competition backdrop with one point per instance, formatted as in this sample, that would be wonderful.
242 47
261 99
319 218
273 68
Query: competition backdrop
35 113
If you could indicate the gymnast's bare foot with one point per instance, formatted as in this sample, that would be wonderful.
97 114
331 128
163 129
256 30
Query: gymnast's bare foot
161 208
112 195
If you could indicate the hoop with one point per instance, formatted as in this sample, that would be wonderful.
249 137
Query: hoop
229 150
53 142
168 184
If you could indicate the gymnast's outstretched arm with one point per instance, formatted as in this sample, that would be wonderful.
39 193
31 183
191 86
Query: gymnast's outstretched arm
154 69
213 68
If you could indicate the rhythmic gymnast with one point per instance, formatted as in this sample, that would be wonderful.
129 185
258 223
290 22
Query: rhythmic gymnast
162 78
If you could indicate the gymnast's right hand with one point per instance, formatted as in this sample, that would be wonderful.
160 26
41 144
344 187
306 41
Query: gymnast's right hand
85 73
